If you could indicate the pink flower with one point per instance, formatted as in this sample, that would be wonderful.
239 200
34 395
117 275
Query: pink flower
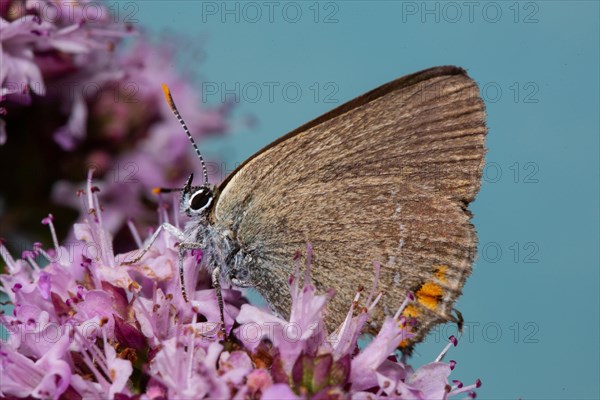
47 377
19 72
44 40
189 374
28 37
87 325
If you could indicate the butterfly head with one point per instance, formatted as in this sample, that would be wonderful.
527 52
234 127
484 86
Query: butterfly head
196 201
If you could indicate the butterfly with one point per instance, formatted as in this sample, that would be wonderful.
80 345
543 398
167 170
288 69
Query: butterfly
386 177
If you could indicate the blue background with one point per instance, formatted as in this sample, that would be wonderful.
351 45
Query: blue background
532 303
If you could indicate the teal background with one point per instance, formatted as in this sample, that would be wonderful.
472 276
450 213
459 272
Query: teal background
533 313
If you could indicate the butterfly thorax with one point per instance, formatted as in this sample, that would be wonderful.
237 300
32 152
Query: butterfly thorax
220 250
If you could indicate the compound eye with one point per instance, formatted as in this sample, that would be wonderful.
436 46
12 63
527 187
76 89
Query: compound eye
200 199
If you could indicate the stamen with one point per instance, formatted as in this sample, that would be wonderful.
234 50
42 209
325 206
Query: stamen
350 313
106 249
309 251
82 195
293 281
96 353
85 344
162 211
8 260
191 348
29 256
134 233
37 249
48 221
409 297
90 199
464 389
175 212
372 306
452 342
97 205
377 269
103 357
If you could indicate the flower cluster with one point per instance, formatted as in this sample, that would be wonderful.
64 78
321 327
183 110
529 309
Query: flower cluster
88 326
45 40
80 89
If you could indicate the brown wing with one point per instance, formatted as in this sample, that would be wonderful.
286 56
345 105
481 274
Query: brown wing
385 177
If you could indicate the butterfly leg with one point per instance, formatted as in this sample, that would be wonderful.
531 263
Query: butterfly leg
217 285
183 247
173 230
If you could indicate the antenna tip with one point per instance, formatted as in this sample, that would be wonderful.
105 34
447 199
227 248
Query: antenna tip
168 97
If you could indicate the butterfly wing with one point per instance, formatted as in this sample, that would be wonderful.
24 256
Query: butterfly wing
386 177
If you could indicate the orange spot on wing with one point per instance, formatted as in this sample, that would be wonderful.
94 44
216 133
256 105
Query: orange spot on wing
430 289
440 272
429 295
411 311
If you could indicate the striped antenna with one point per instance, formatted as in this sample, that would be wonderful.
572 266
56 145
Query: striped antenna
158 190
171 103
